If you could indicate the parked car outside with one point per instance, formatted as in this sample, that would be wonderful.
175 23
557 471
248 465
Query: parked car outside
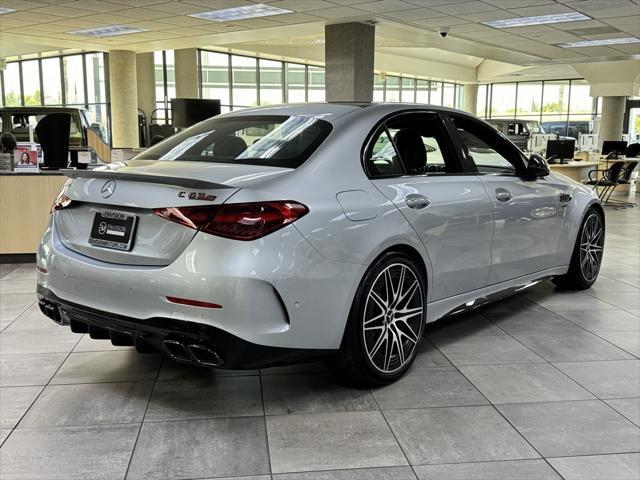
518 131
16 120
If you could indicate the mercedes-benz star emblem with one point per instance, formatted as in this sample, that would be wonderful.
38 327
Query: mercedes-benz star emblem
108 188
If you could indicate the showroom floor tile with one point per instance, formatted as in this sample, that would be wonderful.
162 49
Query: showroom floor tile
543 385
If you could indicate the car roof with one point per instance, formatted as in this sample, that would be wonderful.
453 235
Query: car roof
41 108
333 110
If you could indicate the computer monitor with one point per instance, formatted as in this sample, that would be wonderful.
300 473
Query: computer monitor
560 150
615 147
189 111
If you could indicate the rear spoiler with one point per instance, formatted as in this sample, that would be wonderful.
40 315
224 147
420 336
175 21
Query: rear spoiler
137 177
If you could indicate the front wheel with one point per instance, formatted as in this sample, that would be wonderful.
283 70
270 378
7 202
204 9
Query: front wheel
385 324
587 254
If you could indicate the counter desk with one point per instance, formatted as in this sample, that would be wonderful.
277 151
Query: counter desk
25 203
578 171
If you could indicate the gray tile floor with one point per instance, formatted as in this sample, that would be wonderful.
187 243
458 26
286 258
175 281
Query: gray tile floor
545 385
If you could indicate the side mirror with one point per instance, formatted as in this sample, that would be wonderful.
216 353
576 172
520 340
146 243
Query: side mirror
537 167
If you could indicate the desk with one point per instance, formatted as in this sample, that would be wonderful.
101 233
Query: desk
578 171
25 203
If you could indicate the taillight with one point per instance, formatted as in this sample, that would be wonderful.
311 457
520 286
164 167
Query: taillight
62 201
239 221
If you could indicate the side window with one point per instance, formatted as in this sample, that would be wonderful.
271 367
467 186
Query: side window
490 152
422 144
382 159
516 129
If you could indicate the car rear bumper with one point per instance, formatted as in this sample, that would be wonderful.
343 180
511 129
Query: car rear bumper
277 291
186 342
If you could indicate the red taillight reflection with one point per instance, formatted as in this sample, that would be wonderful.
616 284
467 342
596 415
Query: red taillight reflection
193 303
240 221
62 201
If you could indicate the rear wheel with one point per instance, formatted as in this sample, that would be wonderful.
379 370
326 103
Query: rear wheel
385 324
587 254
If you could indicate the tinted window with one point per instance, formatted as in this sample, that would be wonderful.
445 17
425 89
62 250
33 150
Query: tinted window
534 127
21 121
278 141
383 160
516 129
490 152
422 144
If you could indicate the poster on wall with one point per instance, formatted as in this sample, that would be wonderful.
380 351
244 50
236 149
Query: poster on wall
25 158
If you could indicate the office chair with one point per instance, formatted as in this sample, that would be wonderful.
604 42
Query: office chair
633 150
608 181
53 135
625 179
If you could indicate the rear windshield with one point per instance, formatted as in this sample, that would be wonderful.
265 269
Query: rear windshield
277 141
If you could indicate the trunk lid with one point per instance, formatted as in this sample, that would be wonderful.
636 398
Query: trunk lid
135 189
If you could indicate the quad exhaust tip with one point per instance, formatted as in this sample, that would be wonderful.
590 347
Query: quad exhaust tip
193 353
205 356
183 352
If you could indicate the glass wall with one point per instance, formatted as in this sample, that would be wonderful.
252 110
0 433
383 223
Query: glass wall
242 81
12 85
271 91
315 76
562 106
53 85
392 88
296 83
78 80
239 81
408 93
31 90
165 78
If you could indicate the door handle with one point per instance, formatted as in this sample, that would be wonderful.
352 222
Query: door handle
417 201
503 195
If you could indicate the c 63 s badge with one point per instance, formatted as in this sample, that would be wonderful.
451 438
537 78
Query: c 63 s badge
197 196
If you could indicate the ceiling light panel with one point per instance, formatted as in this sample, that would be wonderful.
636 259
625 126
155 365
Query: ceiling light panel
599 43
241 13
538 20
4 10
108 31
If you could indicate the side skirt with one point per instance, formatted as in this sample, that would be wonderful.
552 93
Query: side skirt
476 298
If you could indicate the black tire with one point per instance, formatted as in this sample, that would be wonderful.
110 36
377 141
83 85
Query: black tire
361 361
587 254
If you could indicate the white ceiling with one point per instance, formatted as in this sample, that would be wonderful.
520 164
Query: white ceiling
405 29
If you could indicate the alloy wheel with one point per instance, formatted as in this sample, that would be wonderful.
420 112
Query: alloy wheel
591 246
393 318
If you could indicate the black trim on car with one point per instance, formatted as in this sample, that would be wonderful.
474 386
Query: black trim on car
167 335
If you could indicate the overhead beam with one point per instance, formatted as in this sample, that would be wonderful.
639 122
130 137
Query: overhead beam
611 79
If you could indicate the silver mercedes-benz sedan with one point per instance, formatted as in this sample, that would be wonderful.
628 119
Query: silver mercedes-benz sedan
335 231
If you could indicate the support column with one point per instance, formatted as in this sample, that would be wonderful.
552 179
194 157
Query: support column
612 118
145 71
186 72
349 54
471 98
124 99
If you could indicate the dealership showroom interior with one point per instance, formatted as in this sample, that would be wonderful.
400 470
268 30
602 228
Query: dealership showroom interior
319 239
